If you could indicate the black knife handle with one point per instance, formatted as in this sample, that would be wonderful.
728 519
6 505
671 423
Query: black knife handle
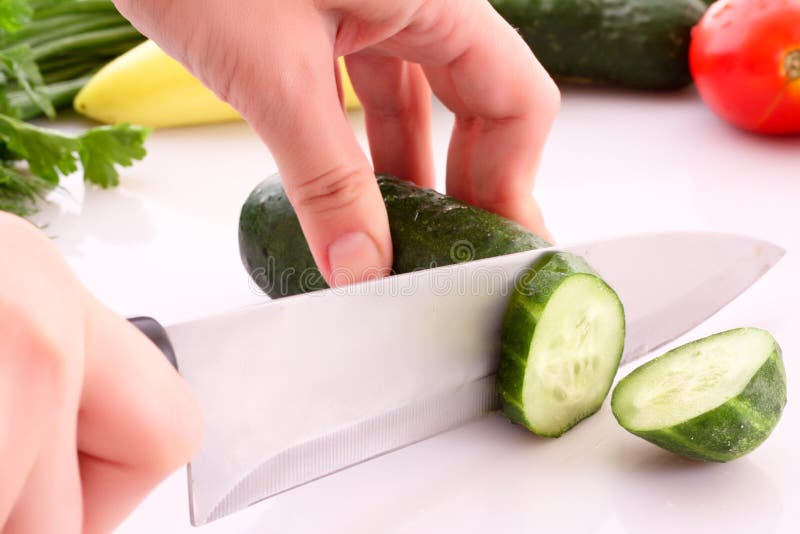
158 335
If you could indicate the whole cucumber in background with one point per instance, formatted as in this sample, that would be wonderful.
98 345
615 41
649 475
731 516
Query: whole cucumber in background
428 230
640 44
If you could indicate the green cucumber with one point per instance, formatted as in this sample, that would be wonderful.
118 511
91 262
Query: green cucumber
641 44
562 340
716 398
428 230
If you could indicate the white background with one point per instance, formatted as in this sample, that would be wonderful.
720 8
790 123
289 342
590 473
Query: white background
164 244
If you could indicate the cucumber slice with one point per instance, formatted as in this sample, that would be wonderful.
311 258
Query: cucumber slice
562 340
716 398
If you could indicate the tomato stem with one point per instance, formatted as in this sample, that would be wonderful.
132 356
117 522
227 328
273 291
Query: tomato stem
791 64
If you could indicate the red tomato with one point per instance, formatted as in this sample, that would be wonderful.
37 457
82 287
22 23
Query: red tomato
745 60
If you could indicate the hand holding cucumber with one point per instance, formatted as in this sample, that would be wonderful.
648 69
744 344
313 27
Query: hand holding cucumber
274 62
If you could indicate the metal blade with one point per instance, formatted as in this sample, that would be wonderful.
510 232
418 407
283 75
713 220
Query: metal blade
671 282
295 389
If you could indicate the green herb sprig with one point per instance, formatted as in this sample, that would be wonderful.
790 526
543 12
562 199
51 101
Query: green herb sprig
49 50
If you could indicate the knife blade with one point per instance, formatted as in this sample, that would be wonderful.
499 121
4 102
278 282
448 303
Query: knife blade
298 388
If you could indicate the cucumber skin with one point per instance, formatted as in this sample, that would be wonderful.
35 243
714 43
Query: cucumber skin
428 229
525 308
639 44
724 433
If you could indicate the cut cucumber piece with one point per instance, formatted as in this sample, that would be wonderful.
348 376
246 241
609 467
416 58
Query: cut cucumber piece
562 340
716 398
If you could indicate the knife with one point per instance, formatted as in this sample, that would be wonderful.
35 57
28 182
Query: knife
298 388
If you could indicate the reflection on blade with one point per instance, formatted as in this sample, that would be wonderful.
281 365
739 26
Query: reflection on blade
670 283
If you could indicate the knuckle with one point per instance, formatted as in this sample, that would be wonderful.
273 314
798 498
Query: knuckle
390 111
268 98
212 61
150 15
220 71
551 96
501 206
498 199
40 307
504 195
130 9
29 348
326 5
330 192
224 56
546 96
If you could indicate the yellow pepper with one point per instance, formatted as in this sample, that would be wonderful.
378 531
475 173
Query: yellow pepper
146 86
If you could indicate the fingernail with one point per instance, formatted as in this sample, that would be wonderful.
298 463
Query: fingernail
354 257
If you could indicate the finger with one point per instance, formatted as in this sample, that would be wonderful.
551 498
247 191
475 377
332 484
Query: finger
397 108
54 483
327 177
504 101
137 423
27 378
41 364
330 183
505 105
460 172
31 387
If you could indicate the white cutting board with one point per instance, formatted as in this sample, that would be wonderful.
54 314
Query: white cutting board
165 244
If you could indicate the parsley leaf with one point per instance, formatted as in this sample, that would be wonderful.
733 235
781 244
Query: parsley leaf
50 154
104 147
33 159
